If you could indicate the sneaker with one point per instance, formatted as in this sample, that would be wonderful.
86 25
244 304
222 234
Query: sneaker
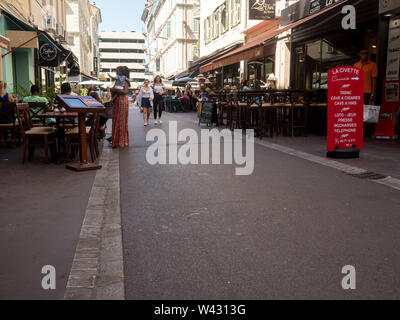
155 121
160 121
145 124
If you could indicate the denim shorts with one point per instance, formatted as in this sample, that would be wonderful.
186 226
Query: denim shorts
146 103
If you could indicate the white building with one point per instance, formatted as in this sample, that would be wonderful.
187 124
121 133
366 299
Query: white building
225 26
79 40
172 35
122 49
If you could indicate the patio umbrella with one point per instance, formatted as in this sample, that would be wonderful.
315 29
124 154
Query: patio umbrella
92 82
183 81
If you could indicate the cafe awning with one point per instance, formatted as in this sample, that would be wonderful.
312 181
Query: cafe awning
255 48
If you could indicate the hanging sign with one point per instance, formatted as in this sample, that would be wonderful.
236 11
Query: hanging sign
345 111
261 9
47 52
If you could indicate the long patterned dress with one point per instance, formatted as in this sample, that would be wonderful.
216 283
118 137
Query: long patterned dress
120 134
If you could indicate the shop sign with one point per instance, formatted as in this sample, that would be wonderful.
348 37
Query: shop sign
95 64
345 108
18 39
393 50
47 52
318 5
4 43
261 9
304 8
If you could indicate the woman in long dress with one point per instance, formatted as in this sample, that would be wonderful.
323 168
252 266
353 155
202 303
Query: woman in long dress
120 134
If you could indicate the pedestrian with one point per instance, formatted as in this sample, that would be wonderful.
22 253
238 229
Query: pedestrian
120 134
159 93
145 100
67 90
370 76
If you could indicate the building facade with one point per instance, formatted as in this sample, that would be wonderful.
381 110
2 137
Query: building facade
42 22
172 35
79 36
122 49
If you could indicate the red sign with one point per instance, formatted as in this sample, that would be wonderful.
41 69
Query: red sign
384 129
345 108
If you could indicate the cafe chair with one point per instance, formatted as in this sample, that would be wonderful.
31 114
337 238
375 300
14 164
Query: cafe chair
32 137
268 116
72 139
282 104
36 108
8 120
298 112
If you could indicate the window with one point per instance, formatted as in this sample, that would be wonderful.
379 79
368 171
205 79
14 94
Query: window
207 30
169 31
195 26
215 24
235 12
124 60
224 18
158 65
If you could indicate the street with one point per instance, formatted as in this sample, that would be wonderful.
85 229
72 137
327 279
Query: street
284 232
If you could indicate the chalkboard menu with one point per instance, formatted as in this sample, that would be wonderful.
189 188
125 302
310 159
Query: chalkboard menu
206 112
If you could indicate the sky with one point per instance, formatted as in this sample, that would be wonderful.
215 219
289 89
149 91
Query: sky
121 15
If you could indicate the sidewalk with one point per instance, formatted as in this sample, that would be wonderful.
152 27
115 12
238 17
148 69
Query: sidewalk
377 156
42 208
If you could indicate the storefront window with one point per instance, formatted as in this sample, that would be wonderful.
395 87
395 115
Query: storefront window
314 58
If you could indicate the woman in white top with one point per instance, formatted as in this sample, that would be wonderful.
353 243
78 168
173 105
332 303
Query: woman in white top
145 100
159 92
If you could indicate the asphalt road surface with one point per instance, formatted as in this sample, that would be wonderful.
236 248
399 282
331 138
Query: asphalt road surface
283 232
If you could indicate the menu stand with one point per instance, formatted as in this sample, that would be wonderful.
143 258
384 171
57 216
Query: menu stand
82 105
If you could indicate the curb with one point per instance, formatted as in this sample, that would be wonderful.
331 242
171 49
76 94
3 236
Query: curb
97 271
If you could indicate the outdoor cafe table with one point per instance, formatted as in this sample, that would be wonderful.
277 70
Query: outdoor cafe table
60 118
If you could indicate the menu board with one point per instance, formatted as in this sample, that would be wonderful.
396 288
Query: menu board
345 108
82 104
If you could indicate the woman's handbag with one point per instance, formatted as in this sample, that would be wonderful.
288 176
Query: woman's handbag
108 106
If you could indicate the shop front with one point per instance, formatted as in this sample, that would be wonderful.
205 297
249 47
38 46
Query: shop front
321 44
34 56
388 127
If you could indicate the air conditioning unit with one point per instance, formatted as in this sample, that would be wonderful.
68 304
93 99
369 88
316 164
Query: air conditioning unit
331 49
60 30
49 23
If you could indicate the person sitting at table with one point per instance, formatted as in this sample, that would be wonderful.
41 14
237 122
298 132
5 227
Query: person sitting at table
4 97
35 97
67 90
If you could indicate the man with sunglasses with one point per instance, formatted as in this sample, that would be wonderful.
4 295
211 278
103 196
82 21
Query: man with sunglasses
370 76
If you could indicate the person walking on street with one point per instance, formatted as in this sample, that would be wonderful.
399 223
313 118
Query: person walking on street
159 92
145 100
370 75
120 134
